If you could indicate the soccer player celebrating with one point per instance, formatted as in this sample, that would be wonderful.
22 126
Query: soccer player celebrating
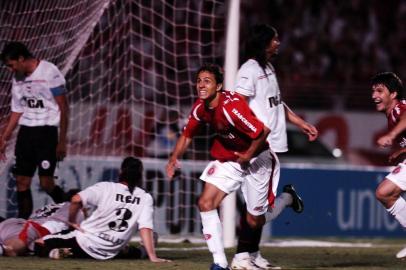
241 153
119 208
257 83
387 94
39 106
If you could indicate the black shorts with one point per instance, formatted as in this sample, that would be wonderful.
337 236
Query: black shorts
36 147
64 239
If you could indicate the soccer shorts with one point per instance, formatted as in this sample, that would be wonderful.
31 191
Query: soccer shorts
258 183
36 148
398 175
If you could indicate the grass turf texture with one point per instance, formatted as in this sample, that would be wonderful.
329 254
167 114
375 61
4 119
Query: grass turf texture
380 256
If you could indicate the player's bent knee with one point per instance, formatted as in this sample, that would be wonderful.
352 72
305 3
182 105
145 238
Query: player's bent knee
205 205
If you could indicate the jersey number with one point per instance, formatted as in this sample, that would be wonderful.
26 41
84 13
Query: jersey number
121 224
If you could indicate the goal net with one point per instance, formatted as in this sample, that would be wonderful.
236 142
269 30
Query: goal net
130 69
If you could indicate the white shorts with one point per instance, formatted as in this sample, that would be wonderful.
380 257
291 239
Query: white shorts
398 176
258 183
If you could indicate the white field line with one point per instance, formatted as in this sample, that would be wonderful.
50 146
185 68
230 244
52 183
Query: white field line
273 243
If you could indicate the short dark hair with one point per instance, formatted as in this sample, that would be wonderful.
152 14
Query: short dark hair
213 69
131 172
391 81
258 40
14 50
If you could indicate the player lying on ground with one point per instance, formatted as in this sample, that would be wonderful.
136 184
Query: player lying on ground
119 209
17 235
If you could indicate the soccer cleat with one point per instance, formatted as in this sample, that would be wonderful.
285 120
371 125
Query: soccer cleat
263 263
215 266
60 253
297 202
401 254
243 264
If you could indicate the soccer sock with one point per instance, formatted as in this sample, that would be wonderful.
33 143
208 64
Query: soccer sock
213 234
24 199
280 203
398 210
249 238
57 194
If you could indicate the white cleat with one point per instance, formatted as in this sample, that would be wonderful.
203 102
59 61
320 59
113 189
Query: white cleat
243 261
261 262
401 254
60 253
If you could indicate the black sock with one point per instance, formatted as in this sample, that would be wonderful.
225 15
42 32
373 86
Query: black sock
24 199
249 238
57 194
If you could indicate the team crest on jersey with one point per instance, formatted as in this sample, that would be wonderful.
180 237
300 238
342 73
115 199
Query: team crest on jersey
258 208
206 236
396 170
211 170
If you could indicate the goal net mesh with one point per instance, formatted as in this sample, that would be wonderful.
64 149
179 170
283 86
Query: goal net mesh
130 69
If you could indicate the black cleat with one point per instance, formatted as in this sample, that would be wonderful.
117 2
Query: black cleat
297 203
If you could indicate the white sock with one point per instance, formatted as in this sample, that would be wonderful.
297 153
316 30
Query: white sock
213 234
242 255
280 203
398 210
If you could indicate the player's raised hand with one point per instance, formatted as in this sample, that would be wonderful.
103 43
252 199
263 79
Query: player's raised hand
171 167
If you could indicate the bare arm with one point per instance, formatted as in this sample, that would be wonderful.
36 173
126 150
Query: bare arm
307 128
63 126
74 208
387 139
148 240
255 148
8 130
181 145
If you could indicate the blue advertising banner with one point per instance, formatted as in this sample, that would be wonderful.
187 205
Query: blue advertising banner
337 203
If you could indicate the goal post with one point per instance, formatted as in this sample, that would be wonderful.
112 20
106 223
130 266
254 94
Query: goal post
229 211
130 70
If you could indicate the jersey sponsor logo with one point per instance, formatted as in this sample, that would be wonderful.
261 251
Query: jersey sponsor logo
110 238
275 101
32 103
206 236
396 170
244 120
127 199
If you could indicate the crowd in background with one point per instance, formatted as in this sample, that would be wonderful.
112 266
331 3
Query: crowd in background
332 48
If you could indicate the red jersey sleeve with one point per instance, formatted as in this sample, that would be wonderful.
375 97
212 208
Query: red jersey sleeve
242 118
194 122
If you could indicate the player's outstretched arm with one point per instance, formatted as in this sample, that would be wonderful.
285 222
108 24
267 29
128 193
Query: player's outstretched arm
307 128
181 145
387 139
148 240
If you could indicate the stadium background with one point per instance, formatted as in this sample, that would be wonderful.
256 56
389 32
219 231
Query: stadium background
130 69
